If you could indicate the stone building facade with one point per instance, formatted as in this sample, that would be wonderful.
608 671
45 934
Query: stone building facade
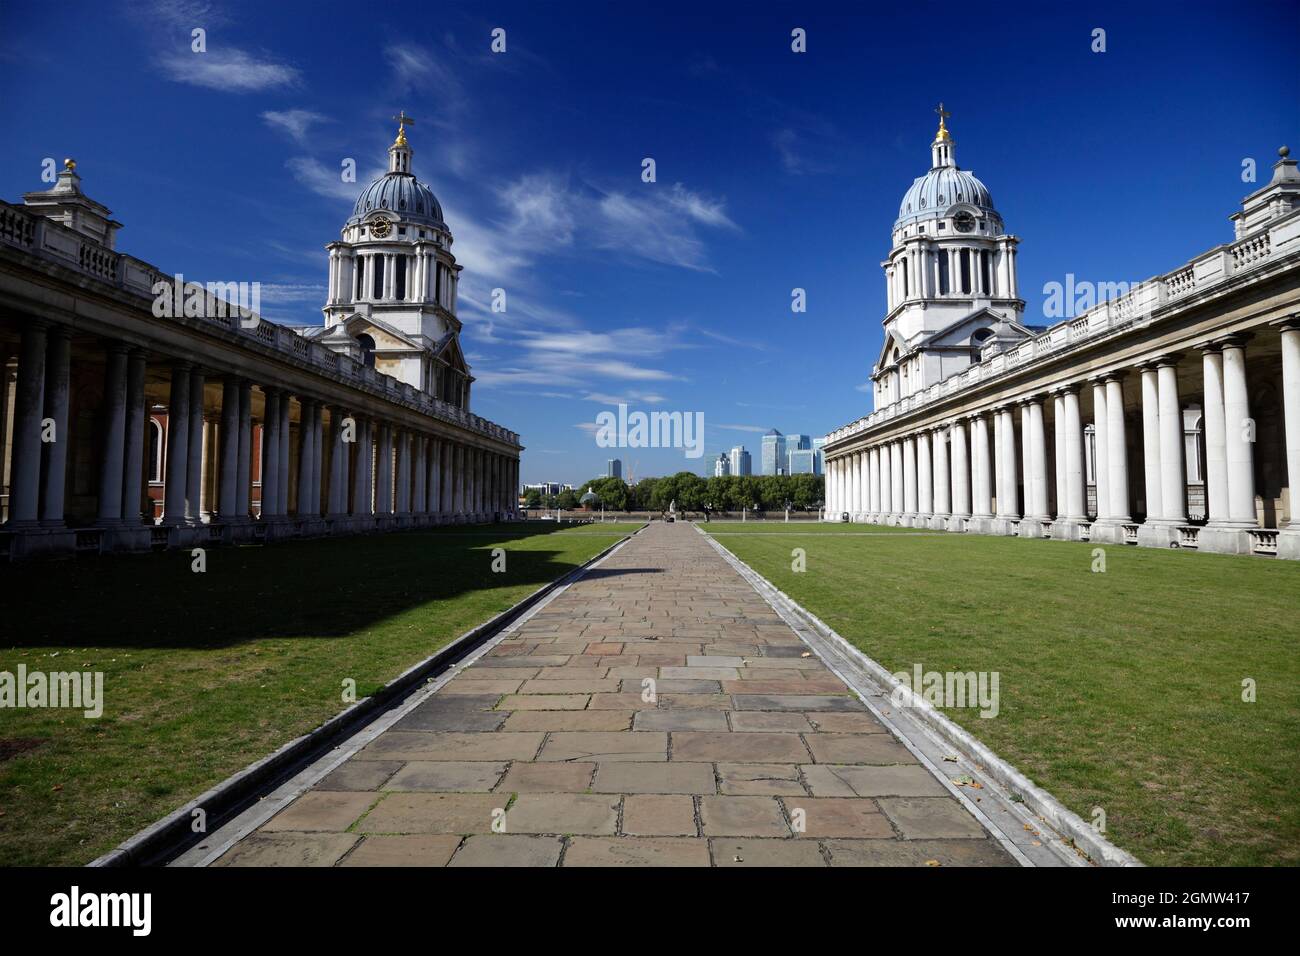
1166 414
127 424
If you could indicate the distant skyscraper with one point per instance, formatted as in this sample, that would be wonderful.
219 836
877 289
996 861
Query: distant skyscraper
614 468
722 467
740 461
802 461
819 459
774 453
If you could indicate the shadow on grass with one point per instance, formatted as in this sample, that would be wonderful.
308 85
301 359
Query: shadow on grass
320 588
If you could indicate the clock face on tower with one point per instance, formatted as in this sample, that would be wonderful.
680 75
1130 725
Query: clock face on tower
381 227
964 222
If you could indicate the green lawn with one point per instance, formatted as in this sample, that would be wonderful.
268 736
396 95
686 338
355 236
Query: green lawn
1120 689
205 673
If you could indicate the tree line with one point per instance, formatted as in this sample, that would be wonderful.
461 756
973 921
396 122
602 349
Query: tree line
694 493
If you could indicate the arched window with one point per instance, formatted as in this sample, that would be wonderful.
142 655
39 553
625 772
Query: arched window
367 350
155 451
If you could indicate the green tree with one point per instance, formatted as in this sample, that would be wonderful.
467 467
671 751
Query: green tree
566 500
533 498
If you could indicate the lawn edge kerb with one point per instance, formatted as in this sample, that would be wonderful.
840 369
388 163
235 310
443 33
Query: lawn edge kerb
1037 800
173 834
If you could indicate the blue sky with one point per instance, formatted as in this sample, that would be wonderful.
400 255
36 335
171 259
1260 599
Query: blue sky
775 170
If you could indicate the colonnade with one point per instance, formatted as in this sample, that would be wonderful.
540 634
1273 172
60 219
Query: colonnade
994 470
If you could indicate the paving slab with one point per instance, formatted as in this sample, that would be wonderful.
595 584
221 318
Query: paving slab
662 719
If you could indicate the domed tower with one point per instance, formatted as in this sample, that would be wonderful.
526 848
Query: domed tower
950 276
392 283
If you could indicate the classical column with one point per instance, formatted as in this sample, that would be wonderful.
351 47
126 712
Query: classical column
360 467
1101 448
271 453
305 433
29 402
855 482
178 444
446 485
1151 441
1239 434
228 496
1075 507
282 487
318 460
941 479
1290 329
1035 440
194 469
1058 440
435 476
1215 437
897 493
981 473
924 477
133 473
336 503
909 477
244 478
1173 474
403 472
57 369
384 471
1012 509
1117 456
420 503
886 479
114 436
999 465
873 482
960 469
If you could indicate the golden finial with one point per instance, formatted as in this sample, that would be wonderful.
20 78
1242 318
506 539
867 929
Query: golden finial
402 120
70 165
943 130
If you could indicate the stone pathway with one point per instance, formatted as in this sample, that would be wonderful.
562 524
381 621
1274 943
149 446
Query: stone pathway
658 712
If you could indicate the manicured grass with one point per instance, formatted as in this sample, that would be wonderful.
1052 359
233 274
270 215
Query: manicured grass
1120 690
205 673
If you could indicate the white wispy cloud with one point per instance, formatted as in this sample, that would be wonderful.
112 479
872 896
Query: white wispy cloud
741 428
326 181
295 123
228 69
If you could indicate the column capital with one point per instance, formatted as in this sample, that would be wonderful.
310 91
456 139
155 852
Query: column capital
1069 388
1235 340
1034 398
1289 323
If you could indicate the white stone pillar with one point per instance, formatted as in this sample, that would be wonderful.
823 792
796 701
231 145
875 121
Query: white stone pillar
873 482
384 471
194 470
999 466
1215 437
403 472
435 475
981 473
924 477
133 457
58 360
114 436
282 488
1239 434
227 494
942 474
1173 475
1101 449
1290 330
419 502
1075 506
305 433
1151 442
271 452
29 402
1058 442
244 481
360 468
886 482
178 444
1117 456
959 465
897 490
1034 438
909 478
336 504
